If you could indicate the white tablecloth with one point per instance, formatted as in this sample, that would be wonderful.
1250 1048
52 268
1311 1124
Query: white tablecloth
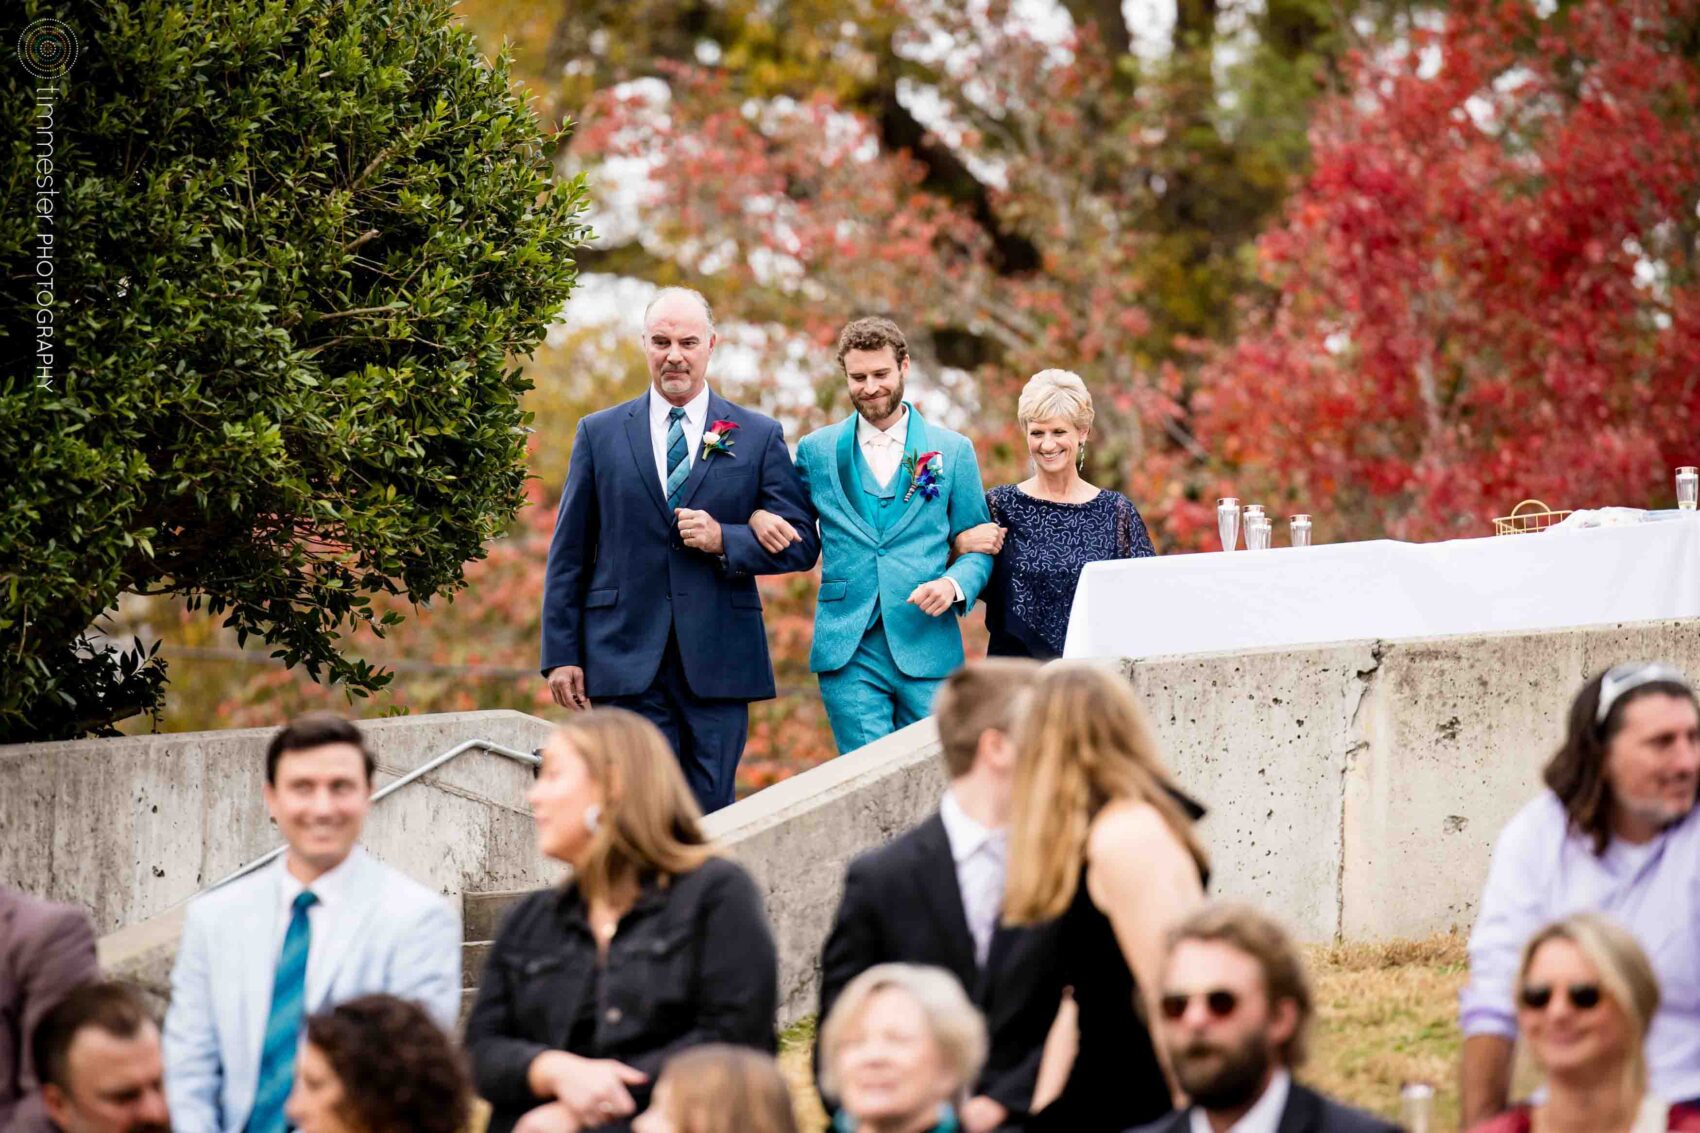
1384 589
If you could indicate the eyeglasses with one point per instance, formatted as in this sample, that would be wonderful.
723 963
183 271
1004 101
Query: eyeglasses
1583 997
1220 1002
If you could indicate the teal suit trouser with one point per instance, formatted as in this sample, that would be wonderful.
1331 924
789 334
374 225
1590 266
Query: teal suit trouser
870 697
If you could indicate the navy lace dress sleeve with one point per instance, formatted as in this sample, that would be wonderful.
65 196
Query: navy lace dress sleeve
1033 579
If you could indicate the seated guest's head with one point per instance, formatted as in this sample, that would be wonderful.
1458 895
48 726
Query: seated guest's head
1586 995
900 1047
1082 741
611 801
379 1064
1630 764
97 1054
1235 1005
318 789
719 1088
975 710
1055 412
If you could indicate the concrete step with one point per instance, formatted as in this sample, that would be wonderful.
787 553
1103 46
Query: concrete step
482 913
474 954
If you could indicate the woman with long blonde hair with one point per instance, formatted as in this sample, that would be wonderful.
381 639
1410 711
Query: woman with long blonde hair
1101 838
655 944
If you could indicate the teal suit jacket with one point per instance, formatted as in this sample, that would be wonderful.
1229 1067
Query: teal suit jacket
860 563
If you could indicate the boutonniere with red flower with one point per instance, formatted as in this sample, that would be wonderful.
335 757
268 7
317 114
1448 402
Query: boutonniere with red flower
718 438
924 474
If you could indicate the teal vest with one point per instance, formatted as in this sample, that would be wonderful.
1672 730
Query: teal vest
879 506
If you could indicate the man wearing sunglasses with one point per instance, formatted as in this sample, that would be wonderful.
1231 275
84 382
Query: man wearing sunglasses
1235 1006
1615 832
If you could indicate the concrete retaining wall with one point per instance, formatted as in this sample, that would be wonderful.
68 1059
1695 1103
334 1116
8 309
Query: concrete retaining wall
130 827
1355 788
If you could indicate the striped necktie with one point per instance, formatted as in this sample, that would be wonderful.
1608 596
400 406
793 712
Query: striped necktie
283 1023
677 450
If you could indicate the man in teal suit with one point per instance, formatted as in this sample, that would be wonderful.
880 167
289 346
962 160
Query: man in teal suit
891 491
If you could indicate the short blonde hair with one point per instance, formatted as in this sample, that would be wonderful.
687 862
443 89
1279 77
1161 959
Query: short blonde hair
1055 393
1626 975
954 1022
650 825
1082 742
719 1088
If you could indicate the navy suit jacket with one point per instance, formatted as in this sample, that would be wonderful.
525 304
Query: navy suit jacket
1307 1112
619 577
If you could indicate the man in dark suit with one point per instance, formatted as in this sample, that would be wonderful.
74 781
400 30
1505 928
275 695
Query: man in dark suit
650 598
933 896
45 951
1235 1007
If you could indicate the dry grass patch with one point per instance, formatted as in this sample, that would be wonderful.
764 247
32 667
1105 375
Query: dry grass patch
1386 1014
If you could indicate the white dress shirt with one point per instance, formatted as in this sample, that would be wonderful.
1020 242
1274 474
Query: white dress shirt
1264 1117
695 423
981 855
330 889
883 450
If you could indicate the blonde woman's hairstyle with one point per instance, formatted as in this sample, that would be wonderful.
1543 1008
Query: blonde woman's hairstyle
1625 974
720 1088
1082 742
1055 393
979 697
955 1023
650 826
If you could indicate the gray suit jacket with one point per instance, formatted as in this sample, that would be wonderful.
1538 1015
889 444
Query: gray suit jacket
45 951
396 937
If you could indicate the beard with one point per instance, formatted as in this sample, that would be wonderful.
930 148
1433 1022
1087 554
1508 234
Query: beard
877 411
1222 1077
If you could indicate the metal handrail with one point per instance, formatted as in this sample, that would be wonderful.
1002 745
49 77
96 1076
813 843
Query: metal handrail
529 758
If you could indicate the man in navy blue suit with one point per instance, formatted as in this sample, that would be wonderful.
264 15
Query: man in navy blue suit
649 600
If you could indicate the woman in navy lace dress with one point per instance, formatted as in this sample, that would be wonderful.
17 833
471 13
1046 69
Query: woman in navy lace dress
1046 528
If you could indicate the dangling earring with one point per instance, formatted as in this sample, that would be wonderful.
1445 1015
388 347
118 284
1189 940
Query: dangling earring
593 817
1080 458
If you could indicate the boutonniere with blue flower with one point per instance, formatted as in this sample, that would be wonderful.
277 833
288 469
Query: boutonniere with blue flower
925 472
718 439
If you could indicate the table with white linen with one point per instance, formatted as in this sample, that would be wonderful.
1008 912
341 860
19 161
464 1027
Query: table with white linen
1237 600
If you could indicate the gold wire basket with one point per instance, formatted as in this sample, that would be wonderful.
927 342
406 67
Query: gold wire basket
1538 517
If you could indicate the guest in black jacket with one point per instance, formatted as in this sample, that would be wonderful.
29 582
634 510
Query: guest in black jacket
932 896
655 945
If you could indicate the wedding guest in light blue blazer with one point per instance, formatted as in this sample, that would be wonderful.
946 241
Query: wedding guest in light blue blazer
323 924
891 491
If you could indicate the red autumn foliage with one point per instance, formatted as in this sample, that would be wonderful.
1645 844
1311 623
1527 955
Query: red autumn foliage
1486 289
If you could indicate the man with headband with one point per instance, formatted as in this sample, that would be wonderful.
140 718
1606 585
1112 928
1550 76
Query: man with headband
1615 832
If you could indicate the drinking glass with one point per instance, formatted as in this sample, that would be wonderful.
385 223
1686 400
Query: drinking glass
1687 486
1301 530
1253 509
1416 1107
1257 533
1228 522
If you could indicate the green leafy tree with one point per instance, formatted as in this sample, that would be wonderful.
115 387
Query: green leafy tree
298 246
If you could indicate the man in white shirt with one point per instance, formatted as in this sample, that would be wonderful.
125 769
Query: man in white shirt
891 490
323 924
1235 1008
649 598
932 896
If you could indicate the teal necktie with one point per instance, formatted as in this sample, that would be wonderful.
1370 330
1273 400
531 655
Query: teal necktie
283 1023
677 450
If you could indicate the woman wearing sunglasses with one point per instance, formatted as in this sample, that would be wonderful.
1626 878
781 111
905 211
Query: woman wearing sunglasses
1586 995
